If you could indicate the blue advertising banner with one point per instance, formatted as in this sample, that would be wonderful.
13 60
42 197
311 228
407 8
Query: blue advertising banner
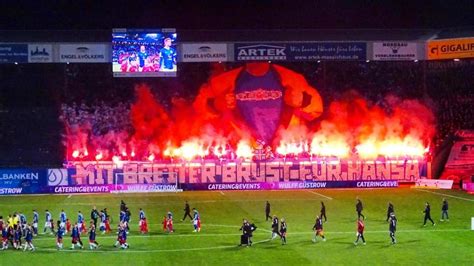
11 53
311 51
22 181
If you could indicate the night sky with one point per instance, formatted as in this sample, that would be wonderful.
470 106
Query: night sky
225 14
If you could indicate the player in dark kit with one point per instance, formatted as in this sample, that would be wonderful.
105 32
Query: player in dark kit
275 225
187 212
427 213
323 212
283 229
247 233
93 244
267 211
444 211
5 235
29 238
94 216
360 231
392 227
76 237
390 209
123 205
359 209
59 236
318 229
17 237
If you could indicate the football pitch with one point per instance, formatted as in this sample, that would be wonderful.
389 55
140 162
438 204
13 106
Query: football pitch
447 243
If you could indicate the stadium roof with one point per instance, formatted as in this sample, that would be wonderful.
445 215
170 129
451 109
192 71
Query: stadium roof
246 35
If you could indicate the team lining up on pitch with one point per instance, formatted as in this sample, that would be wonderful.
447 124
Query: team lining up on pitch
17 227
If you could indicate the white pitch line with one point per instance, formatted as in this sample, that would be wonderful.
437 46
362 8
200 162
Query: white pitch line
266 233
319 194
446 195
155 250
265 230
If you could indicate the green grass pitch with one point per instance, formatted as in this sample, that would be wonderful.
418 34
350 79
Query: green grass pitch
447 243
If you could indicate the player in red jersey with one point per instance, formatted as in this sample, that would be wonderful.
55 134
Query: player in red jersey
360 231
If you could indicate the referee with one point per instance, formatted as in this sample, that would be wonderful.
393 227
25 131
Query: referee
392 227
323 212
267 211
390 209
187 212
427 213
359 209
275 225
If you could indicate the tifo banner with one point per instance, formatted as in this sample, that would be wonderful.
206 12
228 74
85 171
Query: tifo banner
434 183
451 48
22 181
84 53
40 53
11 53
395 50
108 177
312 51
204 52
94 173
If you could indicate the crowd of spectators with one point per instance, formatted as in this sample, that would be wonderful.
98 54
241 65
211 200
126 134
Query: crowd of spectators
88 94
101 117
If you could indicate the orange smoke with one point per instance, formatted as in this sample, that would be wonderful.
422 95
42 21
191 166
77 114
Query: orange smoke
351 127
354 127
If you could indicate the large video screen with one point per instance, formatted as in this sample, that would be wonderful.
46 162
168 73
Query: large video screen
144 52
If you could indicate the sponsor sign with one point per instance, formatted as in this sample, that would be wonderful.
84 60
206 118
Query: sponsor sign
84 53
311 51
451 48
21 181
395 50
11 53
57 177
118 188
292 185
434 183
204 52
248 52
40 53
